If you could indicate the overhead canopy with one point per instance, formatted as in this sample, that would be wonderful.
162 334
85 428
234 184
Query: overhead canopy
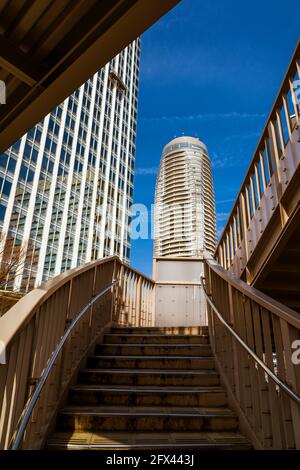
48 48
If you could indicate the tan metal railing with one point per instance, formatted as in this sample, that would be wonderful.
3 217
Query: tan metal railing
275 165
32 329
252 338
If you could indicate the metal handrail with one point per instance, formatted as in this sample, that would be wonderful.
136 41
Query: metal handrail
32 402
268 371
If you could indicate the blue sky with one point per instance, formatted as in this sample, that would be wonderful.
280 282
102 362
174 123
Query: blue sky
211 70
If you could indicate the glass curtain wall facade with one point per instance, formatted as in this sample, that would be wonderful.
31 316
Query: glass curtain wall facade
184 210
66 186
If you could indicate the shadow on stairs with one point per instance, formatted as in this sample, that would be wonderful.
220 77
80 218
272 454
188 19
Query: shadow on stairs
149 388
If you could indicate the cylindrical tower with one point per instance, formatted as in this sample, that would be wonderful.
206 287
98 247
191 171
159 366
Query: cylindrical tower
184 212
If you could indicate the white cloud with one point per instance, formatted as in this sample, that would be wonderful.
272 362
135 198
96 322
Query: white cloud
225 201
146 171
191 117
242 137
222 216
228 160
224 161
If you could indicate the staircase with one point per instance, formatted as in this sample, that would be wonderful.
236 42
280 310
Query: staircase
149 388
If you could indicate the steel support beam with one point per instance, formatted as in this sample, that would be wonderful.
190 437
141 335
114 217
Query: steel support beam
96 43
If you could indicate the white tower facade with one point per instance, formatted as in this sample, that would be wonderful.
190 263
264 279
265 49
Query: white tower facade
66 186
184 211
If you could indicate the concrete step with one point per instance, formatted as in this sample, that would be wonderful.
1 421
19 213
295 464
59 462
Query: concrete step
150 362
126 441
150 330
145 419
147 396
149 388
153 350
150 377
155 339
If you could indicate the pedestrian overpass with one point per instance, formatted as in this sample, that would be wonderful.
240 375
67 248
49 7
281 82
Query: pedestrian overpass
83 364
260 242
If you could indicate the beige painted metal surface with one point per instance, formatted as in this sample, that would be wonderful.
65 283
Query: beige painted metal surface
31 330
179 299
269 417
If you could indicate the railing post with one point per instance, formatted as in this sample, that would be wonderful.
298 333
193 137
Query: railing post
90 333
263 173
253 194
224 251
228 257
210 317
235 233
67 345
258 184
287 116
114 276
244 228
294 99
138 301
153 305
119 298
126 296
280 129
234 346
273 142
231 243
220 255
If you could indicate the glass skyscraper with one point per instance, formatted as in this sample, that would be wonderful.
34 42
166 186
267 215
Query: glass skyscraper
66 186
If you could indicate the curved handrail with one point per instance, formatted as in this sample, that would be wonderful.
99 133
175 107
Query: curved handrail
264 300
279 382
31 330
32 402
24 309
